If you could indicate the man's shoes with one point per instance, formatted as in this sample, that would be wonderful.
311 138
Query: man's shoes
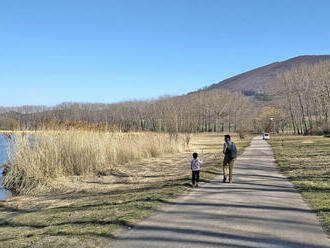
224 179
196 185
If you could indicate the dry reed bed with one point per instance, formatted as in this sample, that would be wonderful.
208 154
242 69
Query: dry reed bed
53 154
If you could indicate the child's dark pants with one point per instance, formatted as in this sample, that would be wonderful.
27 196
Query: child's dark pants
195 177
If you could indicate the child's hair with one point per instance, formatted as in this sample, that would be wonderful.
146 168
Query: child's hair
195 155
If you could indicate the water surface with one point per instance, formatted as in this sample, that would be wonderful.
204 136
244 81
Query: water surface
3 158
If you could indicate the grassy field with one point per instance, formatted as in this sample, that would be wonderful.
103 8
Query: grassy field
94 208
306 162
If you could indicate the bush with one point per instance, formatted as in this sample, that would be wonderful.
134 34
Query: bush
242 133
263 97
249 93
321 130
326 130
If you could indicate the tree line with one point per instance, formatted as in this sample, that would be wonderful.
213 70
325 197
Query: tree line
304 93
299 103
202 111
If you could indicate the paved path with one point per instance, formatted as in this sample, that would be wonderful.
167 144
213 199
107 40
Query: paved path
261 209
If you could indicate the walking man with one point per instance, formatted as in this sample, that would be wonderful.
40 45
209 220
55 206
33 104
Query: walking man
230 152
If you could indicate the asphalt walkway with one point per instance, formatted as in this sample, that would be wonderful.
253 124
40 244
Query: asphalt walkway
260 209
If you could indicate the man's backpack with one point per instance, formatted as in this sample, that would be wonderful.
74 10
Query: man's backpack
230 152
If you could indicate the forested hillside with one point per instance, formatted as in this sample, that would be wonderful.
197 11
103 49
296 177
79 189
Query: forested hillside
304 93
297 100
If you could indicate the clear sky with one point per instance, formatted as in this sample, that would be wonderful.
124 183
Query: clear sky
106 51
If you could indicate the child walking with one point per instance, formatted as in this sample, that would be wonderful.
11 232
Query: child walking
195 166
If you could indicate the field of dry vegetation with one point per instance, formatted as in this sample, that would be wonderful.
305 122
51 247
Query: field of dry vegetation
88 210
37 160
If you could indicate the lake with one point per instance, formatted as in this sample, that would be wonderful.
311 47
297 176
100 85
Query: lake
3 158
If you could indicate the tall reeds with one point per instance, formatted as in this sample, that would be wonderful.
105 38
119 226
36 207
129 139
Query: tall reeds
49 154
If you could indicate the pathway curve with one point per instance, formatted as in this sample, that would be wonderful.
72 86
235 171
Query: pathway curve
261 209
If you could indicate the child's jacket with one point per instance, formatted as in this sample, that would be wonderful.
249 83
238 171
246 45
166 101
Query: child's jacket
196 164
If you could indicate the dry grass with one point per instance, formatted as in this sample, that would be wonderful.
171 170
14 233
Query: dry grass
47 155
91 209
306 161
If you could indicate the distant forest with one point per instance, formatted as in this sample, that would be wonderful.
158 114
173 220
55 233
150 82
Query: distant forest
299 103
202 111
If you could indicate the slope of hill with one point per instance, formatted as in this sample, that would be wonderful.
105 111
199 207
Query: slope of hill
161 114
259 80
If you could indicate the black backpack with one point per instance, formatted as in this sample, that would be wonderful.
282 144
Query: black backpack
229 152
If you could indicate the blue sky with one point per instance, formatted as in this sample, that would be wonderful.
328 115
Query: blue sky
107 51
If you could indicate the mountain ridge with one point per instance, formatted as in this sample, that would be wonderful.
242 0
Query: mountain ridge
260 79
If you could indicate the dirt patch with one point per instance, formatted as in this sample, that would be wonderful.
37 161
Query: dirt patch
307 142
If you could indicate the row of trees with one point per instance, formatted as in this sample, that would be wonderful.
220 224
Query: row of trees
26 109
212 110
301 104
305 97
271 119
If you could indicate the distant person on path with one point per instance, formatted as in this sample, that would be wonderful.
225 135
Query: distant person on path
230 152
195 166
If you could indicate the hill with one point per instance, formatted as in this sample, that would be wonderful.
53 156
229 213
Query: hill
211 109
259 80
